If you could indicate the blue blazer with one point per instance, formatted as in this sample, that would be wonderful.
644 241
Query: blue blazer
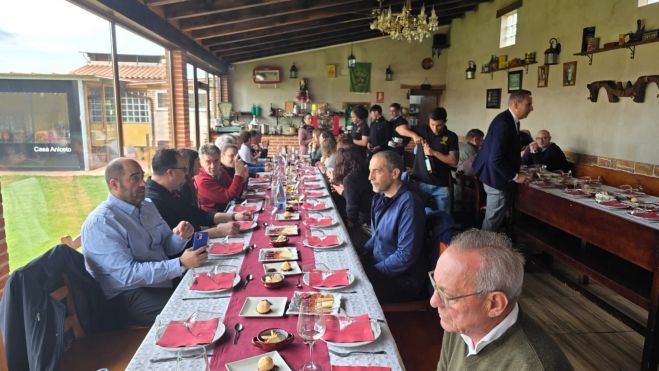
499 158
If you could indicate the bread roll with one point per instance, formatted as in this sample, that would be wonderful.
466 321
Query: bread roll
263 307
265 364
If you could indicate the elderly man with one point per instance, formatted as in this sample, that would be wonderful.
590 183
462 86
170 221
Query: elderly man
127 246
497 162
169 170
477 282
392 256
469 149
214 185
544 152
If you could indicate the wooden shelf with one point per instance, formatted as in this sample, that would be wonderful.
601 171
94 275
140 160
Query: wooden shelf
524 65
631 46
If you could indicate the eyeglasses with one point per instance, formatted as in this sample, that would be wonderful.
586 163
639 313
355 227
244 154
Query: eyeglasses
445 298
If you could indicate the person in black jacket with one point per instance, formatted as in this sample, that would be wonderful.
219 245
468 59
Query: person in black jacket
544 152
163 188
380 131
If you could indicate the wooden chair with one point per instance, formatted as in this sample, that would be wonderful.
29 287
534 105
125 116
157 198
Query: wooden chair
73 243
472 200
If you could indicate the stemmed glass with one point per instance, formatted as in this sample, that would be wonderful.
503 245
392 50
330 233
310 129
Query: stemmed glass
310 327
192 358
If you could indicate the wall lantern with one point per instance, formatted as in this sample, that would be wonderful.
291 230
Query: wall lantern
388 74
551 54
293 72
351 59
470 72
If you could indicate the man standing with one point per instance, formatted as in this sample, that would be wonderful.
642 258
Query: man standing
216 188
392 256
380 131
401 129
468 151
163 187
477 283
127 246
432 165
544 152
497 163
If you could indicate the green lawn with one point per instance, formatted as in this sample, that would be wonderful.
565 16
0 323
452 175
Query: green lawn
39 210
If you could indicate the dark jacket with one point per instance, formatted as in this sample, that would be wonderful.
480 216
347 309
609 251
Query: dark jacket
33 322
397 226
553 157
176 207
380 134
358 193
498 160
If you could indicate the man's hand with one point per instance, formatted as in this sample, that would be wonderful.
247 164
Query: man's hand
241 168
370 147
245 215
417 139
184 230
338 188
228 228
427 150
534 147
521 178
193 259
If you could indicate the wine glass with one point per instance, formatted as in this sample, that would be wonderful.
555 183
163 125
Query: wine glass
310 327
192 358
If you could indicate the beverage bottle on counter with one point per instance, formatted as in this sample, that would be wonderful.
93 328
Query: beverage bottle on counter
280 196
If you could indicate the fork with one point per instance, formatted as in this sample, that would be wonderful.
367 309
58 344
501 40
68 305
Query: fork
346 354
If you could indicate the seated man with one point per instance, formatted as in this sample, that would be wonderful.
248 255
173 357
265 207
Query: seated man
469 149
248 140
544 152
127 246
259 146
214 185
392 255
169 170
477 283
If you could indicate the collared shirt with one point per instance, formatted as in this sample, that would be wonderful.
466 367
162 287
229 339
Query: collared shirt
128 247
245 154
444 142
494 334
515 119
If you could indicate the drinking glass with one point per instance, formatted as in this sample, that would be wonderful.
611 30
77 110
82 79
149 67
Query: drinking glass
310 327
193 358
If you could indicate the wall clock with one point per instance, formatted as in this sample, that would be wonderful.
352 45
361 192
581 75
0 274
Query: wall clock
427 63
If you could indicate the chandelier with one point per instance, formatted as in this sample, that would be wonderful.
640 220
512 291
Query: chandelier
404 25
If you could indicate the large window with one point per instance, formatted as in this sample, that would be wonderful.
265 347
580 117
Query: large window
135 107
508 29
203 101
647 2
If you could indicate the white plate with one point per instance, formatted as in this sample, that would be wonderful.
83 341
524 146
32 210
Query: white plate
245 247
306 243
295 268
293 307
377 331
236 281
258 181
219 331
264 258
334 223
264 174
249 364
294 216
351 279
278 305
254 225
327 206
287 230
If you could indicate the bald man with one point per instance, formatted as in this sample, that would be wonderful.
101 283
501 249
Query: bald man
544 152
127 245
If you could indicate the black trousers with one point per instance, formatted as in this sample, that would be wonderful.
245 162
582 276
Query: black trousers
141 306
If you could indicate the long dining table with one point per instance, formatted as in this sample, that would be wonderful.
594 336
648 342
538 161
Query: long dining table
357 299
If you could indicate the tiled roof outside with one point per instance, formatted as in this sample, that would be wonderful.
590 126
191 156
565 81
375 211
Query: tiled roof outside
126 72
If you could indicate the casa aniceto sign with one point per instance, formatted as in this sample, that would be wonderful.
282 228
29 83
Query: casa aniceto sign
52 149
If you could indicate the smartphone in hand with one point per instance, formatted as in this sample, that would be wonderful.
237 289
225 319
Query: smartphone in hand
200 239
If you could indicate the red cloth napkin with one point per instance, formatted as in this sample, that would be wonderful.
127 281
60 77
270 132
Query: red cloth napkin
360 368
314 194
647 214
614 203
258 186
241 208
259 180
255 197
317 206
245 224
225 248
320 222
176 335
313 186
357 330
338 277
311 179
323 241
204 281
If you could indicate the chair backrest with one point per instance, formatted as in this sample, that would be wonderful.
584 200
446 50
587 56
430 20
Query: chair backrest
73 243
65 294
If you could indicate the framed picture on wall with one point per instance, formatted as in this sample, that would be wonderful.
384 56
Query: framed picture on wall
543 76
569 73
493 98
514 81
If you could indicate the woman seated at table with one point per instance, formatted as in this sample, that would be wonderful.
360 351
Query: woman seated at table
350 179
327 151
314 146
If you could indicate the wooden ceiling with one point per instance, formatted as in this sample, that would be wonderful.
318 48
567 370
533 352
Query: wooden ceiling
240 30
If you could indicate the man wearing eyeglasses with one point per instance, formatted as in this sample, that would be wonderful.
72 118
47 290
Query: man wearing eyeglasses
169 175
127 246
477 283
544 152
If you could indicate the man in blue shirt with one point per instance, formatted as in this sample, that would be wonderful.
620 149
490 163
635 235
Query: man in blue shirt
392 258
126 245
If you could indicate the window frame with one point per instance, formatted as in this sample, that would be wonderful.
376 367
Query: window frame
505 39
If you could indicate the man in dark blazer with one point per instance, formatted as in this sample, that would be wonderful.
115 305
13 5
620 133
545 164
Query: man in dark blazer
497 163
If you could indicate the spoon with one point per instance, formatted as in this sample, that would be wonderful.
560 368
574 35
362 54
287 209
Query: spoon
298 284
238 327
265 225
247 279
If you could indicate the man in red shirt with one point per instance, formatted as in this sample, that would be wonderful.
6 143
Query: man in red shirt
216 188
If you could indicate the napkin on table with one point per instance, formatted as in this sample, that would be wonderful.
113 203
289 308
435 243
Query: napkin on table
338 277
176 335
357 330
225 248
207 282
320 222
323 241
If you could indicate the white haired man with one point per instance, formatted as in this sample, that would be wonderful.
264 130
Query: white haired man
477 283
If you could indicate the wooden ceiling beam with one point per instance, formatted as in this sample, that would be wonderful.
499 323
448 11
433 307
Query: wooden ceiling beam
301 7
207 7
158 3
